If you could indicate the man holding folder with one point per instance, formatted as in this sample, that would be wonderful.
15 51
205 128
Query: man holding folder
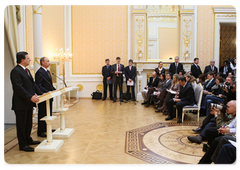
130 73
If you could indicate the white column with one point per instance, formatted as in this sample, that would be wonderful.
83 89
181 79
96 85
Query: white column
37 34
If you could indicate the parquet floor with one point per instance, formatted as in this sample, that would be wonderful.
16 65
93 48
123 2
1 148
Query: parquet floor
99 137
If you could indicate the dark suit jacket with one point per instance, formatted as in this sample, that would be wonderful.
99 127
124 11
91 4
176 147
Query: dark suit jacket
167 85
114 68
196 71
106 73
208 88
44 85
157 71
208 68
187 94
172 68
130 74
24 88
155 83
228 68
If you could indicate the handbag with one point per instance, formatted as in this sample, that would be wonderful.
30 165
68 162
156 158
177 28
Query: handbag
96 95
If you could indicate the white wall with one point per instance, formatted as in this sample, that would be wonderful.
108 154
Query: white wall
9 116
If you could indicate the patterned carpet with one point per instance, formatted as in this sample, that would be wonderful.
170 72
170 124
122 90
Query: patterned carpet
164 143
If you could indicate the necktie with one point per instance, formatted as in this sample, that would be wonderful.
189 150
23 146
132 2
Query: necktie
27 71
176 68
212 68
118 70
49 74
208 83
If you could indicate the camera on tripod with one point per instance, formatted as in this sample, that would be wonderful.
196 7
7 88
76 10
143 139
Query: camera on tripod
226 85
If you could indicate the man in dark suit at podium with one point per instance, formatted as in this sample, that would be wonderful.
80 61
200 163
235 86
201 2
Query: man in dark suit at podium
195 68
130 73
23 101
44 81
107 79
175 67
117 72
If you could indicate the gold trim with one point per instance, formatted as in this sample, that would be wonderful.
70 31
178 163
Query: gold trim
177 36
99 87
80 87
36 59
72 43
138 10
36 11
186 11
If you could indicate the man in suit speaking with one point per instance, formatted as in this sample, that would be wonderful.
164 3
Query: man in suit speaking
23 100
175 67
117 72
44 81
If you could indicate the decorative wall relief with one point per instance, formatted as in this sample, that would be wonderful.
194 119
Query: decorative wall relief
187 33
139 34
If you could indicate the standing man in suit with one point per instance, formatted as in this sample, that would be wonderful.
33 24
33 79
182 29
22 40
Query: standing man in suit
211 67
185 97
23 101
130 73
117 72
175 67
107 79
160 70
44 81
195 68
225 69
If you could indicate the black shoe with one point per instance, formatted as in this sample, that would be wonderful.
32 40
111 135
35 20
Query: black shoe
147 105
205 147
179 121
127 100
198 130
41 134
134 100
169 118
195 139
114 100
27 149
103 99
53 130
111 98
143 103
35 142
121 100
156 107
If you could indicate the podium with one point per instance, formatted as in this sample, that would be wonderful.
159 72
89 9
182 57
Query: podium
63 132
49 145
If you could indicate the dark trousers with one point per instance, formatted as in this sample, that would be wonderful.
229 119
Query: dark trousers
179 106
227 155
119 83
133 91
207 120
212 133
24 126
105 90
41 113
210 124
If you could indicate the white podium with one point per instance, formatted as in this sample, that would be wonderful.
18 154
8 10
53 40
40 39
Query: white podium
63 132
49 145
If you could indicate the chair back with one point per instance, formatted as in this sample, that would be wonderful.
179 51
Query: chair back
194 85
198 92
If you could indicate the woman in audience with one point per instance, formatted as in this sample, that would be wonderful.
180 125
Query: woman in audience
155 89
181 73
213 96
201 79
165 96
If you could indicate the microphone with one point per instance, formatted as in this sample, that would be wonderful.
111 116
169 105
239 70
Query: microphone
46 81
60 79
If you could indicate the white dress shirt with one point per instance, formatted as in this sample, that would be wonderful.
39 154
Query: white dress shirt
232 125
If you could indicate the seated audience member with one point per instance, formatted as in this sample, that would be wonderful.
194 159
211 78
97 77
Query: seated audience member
153 89
225 69
233 65
189 78
220 74
175 67
195 68
227 154
231 74
165 96
210 82
160 70
213 96
153 82
201 79
181 73
211 67
215 134
217 119
230 95
185 97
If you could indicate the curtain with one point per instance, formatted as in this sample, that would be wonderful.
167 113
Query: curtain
11 19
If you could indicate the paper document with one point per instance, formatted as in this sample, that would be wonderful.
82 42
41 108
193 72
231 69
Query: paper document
130 83
233 143
172 92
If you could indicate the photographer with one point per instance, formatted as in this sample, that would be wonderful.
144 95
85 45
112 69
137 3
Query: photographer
233 65
216 118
